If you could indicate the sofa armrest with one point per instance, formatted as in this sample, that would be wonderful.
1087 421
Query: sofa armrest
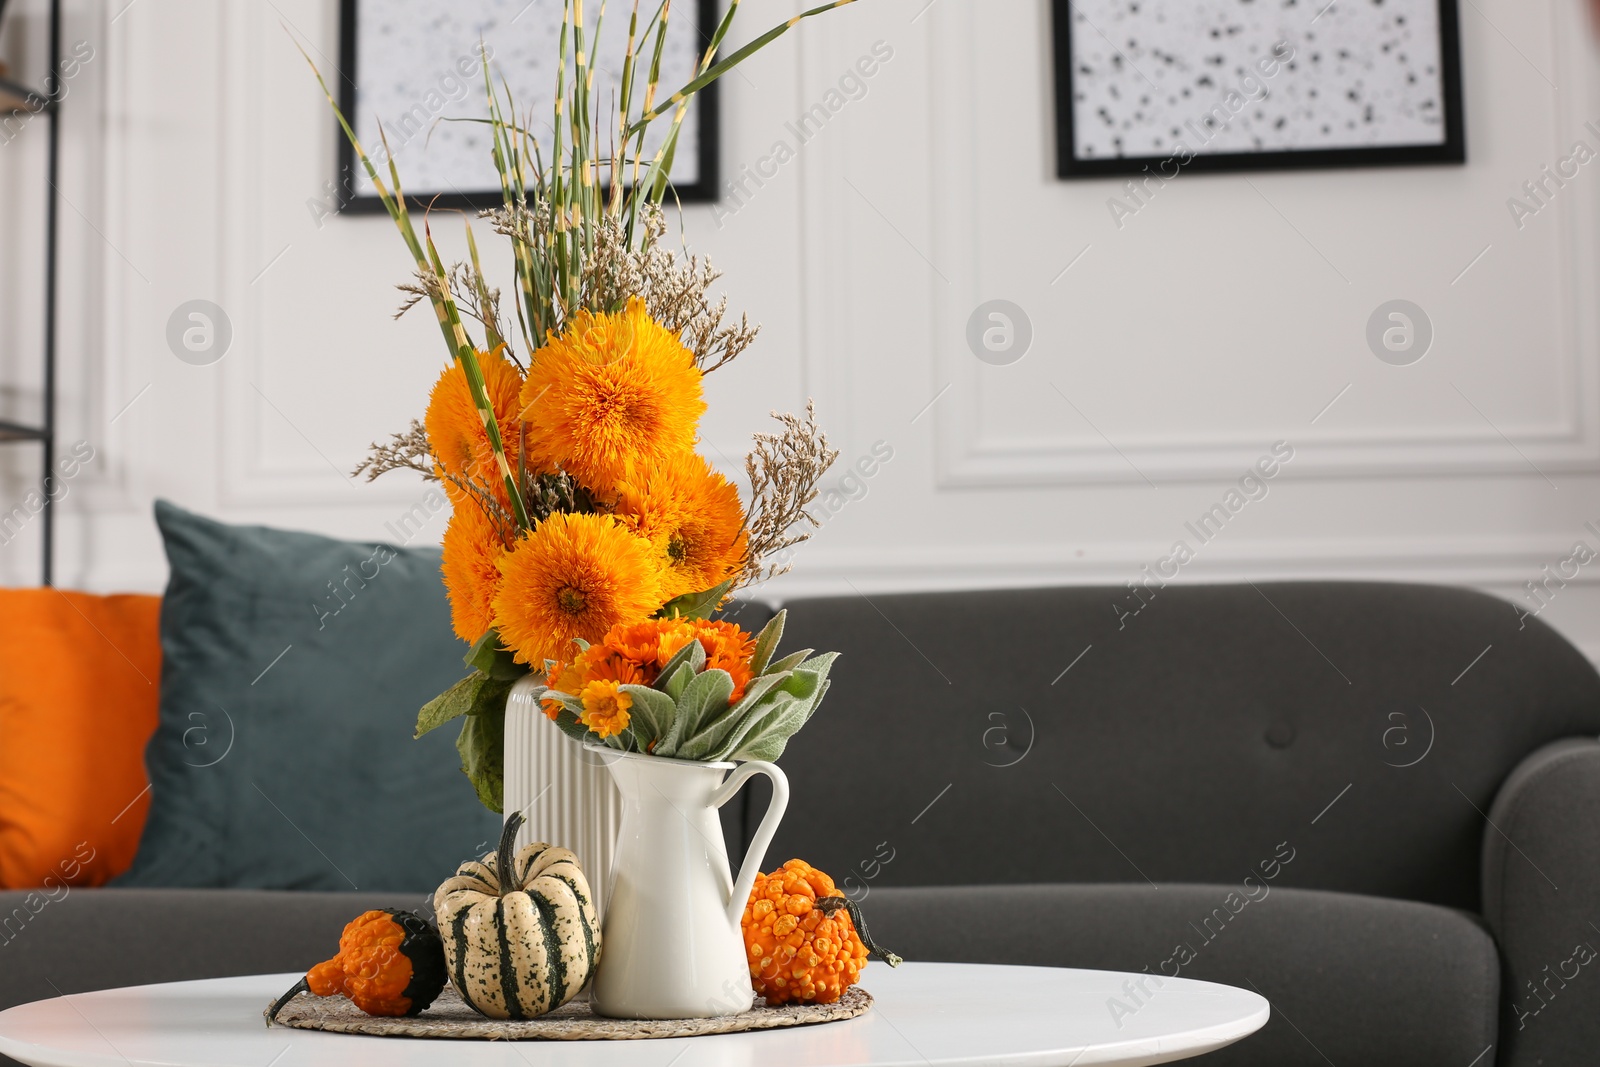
1541 898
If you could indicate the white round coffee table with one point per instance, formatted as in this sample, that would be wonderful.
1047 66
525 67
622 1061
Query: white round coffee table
924 1013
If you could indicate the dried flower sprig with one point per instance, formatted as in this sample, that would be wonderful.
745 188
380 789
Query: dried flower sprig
784 469
403 451
674 288
505 523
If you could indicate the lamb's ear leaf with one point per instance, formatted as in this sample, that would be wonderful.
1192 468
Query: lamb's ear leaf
651 716
764 712
816 701
802 684
697 605
759 688
675 685
822 662
769 739
704 698
481 744
566 700
568 722
816 667
789 662
693 653
767 642
714 733
760 723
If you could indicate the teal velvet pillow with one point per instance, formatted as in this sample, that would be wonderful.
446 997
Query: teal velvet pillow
293 668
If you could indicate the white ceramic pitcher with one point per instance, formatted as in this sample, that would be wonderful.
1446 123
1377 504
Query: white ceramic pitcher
672 944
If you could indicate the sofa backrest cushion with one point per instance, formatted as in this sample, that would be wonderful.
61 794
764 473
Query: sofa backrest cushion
294 669
1052 735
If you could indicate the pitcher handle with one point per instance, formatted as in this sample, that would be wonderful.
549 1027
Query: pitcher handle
764 833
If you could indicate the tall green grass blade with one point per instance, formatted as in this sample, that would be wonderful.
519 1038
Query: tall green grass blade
722 67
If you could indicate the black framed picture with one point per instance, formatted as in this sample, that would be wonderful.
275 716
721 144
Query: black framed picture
1212 85
411 64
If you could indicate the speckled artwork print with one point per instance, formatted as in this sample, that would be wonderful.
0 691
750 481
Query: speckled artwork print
1245 76
417 62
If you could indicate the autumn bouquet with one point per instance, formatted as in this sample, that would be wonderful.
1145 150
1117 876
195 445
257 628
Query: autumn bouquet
589 544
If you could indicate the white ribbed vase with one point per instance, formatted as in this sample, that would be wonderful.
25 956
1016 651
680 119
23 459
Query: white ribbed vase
564 792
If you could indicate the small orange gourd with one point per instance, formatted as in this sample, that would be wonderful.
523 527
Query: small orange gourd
805 941
389 963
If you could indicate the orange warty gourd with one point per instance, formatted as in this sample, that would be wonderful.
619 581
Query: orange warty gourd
389 963
805 942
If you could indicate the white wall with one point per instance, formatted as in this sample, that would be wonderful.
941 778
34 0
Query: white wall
1222 318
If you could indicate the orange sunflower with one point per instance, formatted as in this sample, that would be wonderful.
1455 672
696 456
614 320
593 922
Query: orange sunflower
612 394
456 431
692 516
472 551
575 576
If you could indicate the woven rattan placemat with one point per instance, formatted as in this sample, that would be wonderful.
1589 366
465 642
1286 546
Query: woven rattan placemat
451 1017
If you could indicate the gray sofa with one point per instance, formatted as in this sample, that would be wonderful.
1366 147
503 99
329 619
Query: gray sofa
1379 805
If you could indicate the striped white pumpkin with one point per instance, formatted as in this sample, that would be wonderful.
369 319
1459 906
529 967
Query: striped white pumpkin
520 950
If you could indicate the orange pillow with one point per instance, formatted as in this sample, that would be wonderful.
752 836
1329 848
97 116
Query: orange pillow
80 683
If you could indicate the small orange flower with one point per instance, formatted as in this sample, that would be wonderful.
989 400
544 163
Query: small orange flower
597 662
728 648
634 653
605 707
640 642
575 576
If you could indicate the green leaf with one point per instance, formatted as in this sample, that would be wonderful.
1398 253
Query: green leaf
713 734
693 653
716 71
753 722
475 694
767 642
789 662
814 703
697 605
651 716
806 679
802 684
569 723
482 748
768 740
678 681
757 691
704 697
498 663
822 663
567 700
